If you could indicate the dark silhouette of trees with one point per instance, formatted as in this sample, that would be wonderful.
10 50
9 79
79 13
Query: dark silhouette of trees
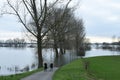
64 28
35 11
78 33
87 44
59 27
14 43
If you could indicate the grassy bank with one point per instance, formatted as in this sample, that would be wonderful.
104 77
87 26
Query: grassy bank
18 76
100 68
72 71
105 68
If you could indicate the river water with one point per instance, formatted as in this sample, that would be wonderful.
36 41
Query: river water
18 60
101 52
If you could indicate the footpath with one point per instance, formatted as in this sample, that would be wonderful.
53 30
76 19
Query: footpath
43 75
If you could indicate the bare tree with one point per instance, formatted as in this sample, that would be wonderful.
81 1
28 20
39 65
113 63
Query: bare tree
37 11
77 35
59 26
67 30
79 38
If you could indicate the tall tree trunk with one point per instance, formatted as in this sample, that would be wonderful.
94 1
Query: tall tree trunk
39 48
77 44
61 50
56 48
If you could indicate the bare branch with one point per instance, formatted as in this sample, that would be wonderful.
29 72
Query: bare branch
41 7
28 9
45 14
19 17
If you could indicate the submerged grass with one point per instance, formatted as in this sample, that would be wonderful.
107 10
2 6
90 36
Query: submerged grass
19 76
100 68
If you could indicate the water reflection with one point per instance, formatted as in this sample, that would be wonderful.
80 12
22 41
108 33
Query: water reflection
66 58
50 57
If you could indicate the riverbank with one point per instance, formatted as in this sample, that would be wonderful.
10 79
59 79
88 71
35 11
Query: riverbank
19 76
72 71
100 68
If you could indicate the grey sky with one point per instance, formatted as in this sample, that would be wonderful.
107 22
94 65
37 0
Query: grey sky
9 23
101 18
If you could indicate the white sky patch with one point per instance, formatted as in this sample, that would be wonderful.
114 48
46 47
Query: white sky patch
10 35
116 5
94 39
13 35
114 18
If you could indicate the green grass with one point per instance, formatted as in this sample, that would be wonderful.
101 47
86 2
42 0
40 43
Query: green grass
100 68
105 68
19 76
72 71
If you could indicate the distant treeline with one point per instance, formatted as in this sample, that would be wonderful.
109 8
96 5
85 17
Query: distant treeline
13 43
109 46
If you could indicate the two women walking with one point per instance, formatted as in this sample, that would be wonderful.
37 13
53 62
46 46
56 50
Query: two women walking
46 66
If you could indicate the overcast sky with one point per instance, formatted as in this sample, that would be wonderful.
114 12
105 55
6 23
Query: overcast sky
101 20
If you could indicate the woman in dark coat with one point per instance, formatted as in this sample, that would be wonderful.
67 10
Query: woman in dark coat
45 66
51 66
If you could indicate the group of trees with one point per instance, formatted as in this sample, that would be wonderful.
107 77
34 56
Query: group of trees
13 43
114 46
66 32
49 21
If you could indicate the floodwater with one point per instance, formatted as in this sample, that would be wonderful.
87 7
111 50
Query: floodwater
101 52
10 58
18 60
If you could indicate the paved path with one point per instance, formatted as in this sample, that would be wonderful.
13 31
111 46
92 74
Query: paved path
41 75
